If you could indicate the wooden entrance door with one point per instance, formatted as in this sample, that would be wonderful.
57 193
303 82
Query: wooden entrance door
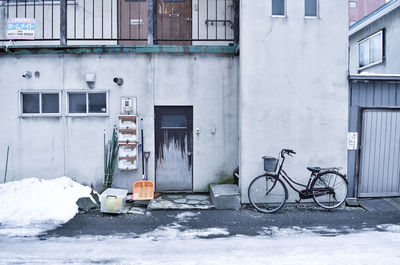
174 148
174 22
132 22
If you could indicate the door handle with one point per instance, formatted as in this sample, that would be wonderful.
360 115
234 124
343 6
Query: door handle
189 154
188 19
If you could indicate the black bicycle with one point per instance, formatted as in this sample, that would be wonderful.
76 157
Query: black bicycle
268 193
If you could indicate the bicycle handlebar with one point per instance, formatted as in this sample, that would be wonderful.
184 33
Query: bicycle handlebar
287 151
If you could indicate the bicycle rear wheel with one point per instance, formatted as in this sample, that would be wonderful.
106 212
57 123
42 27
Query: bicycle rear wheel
329 190
267 193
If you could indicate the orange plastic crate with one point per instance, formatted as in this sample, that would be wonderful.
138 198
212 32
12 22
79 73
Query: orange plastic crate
143 190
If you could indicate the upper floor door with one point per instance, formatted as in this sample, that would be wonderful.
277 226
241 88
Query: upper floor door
174 22
132 22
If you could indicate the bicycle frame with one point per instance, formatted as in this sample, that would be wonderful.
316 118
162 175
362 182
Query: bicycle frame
304 193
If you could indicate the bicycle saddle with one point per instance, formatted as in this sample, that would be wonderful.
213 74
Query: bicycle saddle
314 169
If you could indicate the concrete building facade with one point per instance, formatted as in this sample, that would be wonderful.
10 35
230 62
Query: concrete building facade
284 86
52 146
293 87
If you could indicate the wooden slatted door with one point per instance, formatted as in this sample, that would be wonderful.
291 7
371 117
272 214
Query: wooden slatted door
132 22
379 174
174 148
174 22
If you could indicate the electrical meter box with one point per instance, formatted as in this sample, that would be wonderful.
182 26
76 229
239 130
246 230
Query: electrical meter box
128 105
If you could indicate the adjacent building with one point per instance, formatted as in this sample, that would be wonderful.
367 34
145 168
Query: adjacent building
374 101
358 9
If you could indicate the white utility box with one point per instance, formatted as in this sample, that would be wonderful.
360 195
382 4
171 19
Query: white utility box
113 200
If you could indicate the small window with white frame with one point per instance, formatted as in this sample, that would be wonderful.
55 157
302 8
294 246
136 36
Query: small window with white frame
370 50
311 8
81 103
40 103
278 8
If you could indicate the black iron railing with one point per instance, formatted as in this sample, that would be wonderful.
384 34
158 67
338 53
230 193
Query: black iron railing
125 22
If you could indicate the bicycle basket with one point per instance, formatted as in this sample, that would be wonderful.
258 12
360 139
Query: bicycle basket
270 164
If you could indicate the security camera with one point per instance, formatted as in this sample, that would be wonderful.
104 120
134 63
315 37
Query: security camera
119 81
27 75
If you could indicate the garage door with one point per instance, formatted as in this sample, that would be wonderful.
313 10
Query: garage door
380 154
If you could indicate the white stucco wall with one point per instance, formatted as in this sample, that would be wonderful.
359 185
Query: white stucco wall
293 88
52 147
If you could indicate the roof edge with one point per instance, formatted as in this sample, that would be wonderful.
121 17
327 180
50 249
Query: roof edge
376 77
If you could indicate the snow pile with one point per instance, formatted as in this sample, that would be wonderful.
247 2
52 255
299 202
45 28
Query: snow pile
389 227
29 206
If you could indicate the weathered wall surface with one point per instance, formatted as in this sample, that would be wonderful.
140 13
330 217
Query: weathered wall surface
73 146
391 63
293 88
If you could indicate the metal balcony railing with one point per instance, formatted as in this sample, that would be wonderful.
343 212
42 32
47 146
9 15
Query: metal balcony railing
124 22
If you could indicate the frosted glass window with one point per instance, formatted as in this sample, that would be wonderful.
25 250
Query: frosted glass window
364 53
173 121
39 102
97 103
30 103
77 103
310 7
278 7
375 48
50 103
370 50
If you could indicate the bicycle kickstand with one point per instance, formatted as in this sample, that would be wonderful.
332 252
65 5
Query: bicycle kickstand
298 201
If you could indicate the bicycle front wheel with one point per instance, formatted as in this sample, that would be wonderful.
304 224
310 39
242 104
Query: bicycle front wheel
329 190
267 193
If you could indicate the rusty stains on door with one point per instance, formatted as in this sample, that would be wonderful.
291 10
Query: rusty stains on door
174 148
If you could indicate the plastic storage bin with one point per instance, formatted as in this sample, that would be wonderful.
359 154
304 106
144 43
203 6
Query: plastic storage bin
113 200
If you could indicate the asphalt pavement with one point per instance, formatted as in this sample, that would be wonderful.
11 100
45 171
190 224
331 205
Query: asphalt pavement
238 222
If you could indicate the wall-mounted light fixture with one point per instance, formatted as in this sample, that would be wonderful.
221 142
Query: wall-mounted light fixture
27 74
119 81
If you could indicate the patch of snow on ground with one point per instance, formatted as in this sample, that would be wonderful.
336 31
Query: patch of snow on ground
30 206
176 231
390 228
185 216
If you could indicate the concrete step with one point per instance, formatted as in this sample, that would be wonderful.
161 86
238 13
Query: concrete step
181 201
225 196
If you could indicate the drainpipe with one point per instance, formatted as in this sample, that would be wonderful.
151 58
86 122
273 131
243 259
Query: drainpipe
63 22
150 24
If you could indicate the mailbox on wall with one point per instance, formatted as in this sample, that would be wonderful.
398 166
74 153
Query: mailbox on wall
127 141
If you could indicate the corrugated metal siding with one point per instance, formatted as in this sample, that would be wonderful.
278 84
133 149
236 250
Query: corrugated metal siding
375 94
380 154
364 95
